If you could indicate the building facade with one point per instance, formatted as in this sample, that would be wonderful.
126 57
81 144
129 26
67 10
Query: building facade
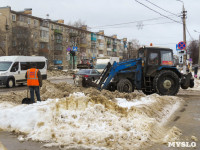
24 34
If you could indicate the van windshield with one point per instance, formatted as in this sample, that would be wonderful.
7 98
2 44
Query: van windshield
4 66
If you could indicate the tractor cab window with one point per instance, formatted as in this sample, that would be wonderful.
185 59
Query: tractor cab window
153 59
166 58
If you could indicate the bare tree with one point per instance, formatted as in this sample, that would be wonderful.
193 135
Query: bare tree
2 43
21 41
193 49
133 48
79 23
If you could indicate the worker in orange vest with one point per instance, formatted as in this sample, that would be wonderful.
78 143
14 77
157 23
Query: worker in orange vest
34 81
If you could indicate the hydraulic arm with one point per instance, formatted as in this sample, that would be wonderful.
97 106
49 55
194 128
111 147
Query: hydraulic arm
111 70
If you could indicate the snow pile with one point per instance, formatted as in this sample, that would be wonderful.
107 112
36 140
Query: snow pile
91 121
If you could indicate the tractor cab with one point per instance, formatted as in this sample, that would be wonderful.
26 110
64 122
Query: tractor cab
155 58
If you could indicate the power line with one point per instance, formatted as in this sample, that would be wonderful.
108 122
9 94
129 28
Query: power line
189 33
157 12
128 22
162 8
143 25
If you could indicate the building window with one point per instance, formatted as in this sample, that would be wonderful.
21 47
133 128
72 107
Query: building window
58 47
52 37
44 34
35 34
35 22
57 27
13 17
36 44
42 45
14 43
52 27
29 21
21 18
61 28
66 30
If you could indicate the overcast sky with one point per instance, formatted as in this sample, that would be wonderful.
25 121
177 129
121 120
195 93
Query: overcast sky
147 27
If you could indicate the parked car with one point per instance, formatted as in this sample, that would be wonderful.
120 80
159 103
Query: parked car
85 74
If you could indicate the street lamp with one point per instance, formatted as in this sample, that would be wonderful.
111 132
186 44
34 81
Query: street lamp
199 46
6 27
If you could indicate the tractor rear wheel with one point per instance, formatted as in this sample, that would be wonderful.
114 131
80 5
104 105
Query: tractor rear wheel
125 85
166 82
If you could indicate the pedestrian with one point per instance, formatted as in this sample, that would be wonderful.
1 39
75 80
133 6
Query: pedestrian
34 81
195 70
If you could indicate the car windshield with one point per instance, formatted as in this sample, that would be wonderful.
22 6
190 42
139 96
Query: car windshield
100 66
4 66
84 71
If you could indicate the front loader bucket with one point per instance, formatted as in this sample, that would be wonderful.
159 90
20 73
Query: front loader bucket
187 81
88 83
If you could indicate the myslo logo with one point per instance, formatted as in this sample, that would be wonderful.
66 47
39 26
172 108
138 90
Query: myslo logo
182 144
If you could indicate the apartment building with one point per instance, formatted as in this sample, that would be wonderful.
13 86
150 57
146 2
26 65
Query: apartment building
24 34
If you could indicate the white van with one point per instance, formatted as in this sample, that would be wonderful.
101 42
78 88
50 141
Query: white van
14 68
102 62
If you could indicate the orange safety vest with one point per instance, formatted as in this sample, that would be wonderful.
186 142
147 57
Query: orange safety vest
32 77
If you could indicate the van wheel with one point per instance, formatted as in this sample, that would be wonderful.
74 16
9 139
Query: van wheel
10 83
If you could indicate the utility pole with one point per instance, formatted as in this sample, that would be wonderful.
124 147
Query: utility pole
184 36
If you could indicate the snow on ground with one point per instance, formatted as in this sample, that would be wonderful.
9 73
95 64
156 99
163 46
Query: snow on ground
196 85
91 121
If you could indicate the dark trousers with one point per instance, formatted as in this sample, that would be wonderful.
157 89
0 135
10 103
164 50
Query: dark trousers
37 93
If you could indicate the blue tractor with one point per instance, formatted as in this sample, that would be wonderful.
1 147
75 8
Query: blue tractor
152 72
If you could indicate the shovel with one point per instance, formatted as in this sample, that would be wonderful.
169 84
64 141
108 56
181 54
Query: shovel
26 100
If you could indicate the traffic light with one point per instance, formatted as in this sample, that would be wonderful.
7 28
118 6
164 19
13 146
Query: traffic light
73 53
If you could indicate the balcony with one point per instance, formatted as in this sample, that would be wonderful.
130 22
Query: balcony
100 38
93 42
114 50
58 41
101 47
56 31
109 49
44 39
93 37
114 42
108 42
44 23
83 45
73 34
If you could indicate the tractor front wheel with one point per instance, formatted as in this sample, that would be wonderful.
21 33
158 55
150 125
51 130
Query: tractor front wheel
125 85
166 82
